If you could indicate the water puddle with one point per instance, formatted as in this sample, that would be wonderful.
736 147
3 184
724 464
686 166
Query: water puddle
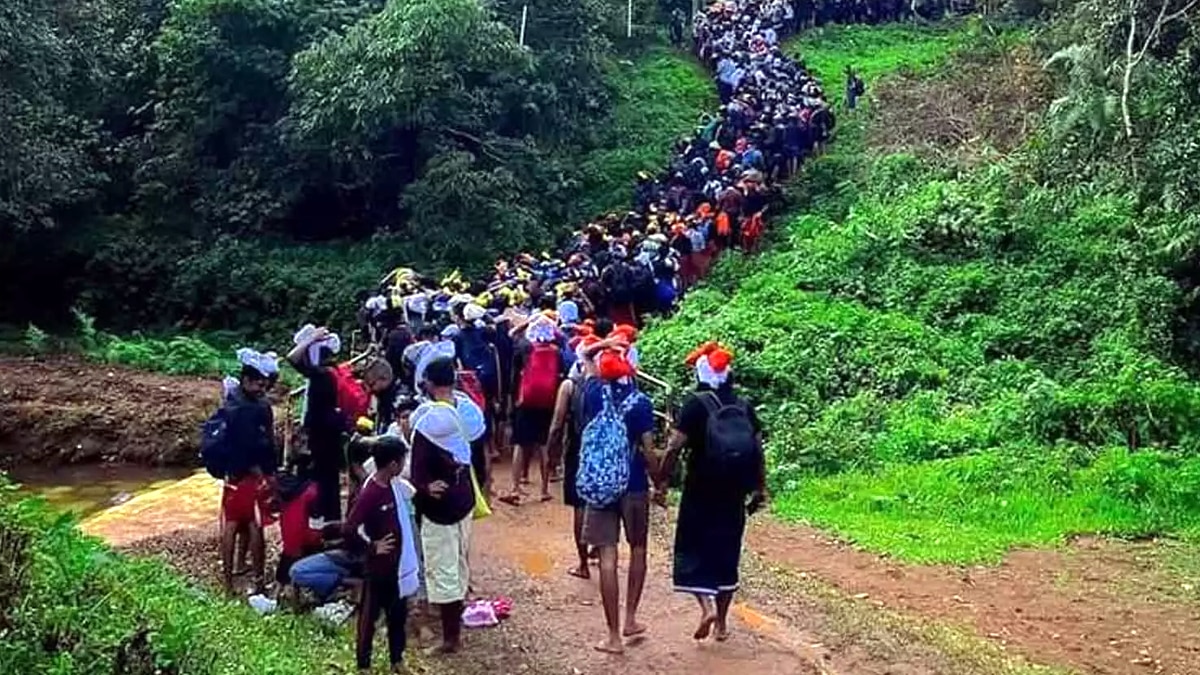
88 489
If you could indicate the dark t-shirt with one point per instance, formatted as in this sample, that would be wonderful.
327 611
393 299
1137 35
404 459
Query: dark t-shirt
431 463
322 420
375 511
638 421
692 421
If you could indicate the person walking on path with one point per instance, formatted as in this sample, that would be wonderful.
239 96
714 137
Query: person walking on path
724 482
613 481
855 88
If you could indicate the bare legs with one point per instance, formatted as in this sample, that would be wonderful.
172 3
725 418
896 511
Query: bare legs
637 580
581 549
610 595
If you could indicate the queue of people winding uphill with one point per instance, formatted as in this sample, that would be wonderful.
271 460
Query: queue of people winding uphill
541 358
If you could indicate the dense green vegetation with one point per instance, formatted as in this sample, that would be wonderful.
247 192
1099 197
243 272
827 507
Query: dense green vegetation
957 358
70 605
203 165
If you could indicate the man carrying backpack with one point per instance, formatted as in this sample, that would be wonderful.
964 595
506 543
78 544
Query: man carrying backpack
724 482
239 447
538 369
616 449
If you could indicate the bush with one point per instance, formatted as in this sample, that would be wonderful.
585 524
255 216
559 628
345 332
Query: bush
949 363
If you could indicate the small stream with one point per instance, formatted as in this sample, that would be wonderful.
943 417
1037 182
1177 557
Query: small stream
87 489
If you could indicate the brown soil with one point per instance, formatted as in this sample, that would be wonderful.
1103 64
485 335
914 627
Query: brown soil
67 411
982 106
809 604
1099 606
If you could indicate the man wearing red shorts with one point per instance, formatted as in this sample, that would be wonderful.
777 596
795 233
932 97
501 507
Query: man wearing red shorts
250 470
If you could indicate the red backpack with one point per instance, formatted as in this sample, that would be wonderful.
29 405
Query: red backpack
539 380
352 399
469 384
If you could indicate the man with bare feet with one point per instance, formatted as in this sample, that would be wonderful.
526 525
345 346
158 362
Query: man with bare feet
612 481
724 482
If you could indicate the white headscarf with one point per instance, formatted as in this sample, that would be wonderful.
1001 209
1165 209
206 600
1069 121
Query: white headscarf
333 343
707 375
441 424
432 352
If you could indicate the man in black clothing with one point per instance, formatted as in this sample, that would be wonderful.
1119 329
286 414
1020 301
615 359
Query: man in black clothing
323 422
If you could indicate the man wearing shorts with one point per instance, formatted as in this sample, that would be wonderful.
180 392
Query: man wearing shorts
247 490
602 527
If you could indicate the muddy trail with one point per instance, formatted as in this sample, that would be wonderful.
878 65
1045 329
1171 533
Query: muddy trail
809 603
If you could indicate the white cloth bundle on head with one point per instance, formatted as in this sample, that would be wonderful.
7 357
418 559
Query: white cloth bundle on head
707 375
471 416
474 312
376 304
568 313
441 424
432 352
541 329
333 343
267 364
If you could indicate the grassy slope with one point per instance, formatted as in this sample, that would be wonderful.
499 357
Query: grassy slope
661 95
76 607
953 364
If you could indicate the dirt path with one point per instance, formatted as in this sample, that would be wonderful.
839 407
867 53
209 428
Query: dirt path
809 604
1099 606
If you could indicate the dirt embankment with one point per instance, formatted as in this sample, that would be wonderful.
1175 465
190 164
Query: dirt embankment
68 411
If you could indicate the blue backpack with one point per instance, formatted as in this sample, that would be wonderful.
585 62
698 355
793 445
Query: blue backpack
604 454
215 448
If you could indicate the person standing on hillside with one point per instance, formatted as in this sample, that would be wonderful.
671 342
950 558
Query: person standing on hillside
678 20
854 88
324 424
612 406
242 451
725 481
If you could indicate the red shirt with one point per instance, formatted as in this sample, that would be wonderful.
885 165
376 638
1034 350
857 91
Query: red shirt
298 538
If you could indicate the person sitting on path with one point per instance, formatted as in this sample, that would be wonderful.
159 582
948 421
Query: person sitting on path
613 483
724 482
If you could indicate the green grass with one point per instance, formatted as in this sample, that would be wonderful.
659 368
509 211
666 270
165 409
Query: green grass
71 605
660 96
953 363
977 507
876 51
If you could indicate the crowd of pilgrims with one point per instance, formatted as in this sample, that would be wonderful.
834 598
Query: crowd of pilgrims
529 359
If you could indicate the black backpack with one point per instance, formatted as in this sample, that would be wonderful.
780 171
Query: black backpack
216 450
622 285
731 444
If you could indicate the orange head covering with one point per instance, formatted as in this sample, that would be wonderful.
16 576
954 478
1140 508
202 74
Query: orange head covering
626 331
712 362
613 366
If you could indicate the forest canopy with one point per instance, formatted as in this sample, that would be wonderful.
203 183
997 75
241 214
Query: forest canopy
153 147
